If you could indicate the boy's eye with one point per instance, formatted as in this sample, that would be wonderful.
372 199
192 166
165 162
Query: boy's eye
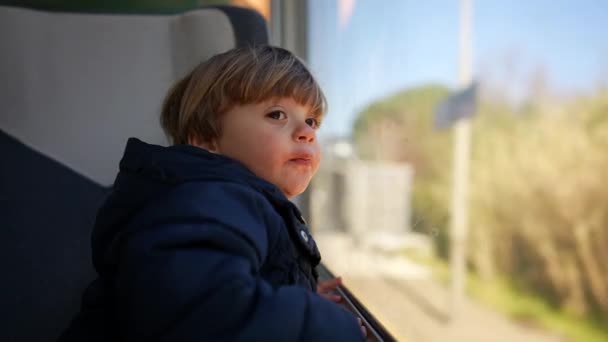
277 115
312 122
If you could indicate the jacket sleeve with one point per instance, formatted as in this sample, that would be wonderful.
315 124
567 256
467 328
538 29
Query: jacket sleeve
188 271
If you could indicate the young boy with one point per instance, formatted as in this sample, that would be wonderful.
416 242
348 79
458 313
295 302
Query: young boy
198 241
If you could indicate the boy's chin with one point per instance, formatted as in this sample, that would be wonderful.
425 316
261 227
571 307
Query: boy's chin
291 192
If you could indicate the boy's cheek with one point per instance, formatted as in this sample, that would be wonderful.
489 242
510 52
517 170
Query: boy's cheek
319 155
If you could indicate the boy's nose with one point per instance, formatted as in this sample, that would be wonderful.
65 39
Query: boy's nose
304 133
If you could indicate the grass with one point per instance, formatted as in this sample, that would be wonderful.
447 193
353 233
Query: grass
502 296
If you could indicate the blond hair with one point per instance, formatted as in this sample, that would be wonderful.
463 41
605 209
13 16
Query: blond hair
249 75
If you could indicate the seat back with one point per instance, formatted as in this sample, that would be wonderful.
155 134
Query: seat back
73 88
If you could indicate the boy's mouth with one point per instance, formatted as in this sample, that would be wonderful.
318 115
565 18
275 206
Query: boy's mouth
302 159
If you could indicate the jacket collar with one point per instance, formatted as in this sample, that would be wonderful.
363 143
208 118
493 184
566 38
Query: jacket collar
183 163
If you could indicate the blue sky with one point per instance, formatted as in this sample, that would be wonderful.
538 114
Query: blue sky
391 45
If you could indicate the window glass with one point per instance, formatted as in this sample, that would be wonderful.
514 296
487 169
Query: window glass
529 86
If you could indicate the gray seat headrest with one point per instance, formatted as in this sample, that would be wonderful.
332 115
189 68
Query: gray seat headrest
76 86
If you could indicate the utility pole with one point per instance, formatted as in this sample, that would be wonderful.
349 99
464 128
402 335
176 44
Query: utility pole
460 176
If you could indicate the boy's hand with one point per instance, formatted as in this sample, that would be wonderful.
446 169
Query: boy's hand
326 289
362 326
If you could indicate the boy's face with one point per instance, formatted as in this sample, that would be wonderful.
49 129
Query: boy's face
276 140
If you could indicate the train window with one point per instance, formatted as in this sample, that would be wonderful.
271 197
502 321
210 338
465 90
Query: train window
461 189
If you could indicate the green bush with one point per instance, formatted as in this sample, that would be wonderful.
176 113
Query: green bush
539 200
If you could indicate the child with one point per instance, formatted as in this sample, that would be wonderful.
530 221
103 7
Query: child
198 241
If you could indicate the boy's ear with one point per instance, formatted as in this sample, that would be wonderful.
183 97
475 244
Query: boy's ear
209 145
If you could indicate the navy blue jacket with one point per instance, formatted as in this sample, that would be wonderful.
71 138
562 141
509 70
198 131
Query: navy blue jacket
192 246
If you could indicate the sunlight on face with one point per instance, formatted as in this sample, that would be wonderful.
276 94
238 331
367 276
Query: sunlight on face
276 140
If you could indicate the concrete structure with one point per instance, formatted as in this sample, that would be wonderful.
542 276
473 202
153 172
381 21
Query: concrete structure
361 197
